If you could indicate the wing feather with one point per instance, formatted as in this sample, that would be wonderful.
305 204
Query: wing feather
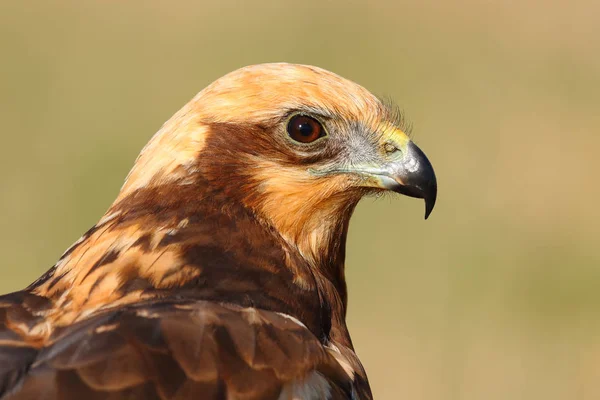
174 350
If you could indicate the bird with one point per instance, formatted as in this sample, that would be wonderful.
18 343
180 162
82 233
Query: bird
218 271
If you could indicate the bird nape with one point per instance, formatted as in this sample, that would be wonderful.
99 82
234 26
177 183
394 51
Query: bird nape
218 272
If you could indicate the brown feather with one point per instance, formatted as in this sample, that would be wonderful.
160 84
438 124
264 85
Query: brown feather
167 348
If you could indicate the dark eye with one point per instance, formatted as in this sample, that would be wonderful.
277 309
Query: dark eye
305 129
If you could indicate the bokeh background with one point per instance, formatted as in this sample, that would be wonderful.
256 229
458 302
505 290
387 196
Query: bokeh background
495 297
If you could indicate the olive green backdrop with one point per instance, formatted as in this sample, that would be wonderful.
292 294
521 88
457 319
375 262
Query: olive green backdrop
495 297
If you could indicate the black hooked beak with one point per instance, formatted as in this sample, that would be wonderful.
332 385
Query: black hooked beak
412 175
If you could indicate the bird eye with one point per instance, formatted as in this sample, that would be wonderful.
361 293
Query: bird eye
305 129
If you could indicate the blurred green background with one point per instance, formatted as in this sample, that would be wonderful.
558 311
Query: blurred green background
495 297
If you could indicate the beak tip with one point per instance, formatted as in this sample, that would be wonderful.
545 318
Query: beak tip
429 204
428 209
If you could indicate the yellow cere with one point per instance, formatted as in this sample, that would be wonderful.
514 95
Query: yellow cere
395 134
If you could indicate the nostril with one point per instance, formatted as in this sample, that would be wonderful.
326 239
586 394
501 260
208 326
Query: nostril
390 148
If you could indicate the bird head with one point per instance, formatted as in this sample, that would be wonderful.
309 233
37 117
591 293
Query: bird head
298 145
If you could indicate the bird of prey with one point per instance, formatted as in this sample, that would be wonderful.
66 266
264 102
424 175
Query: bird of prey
218 271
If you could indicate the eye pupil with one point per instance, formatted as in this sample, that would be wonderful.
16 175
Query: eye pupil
304 129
